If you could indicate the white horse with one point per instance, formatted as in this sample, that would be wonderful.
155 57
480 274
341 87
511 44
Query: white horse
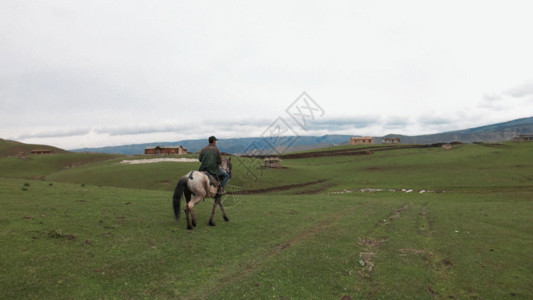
200 185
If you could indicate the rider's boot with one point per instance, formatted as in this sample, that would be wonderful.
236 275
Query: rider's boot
221 190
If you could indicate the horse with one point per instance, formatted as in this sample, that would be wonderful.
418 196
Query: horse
200 186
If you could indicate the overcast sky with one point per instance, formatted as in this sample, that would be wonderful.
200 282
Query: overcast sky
92 73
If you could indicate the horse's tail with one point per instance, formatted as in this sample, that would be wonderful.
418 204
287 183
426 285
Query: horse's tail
178 193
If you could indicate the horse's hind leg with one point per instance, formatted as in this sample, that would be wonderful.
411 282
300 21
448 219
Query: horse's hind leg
187 211
189 225
192 224
212 219
190 206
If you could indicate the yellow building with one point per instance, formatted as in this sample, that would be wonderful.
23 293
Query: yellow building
362 140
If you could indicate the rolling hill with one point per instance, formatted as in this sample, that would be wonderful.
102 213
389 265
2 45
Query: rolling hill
493 133
13 148
490 133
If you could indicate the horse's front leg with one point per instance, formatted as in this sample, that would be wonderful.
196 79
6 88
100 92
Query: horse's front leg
219 202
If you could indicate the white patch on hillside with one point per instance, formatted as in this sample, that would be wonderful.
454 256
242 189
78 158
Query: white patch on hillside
156 160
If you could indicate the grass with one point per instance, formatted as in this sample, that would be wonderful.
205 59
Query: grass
464 167
102 230
39 166
249 174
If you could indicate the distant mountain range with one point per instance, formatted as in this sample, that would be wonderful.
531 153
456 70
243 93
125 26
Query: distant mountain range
494 133
489 134
232 146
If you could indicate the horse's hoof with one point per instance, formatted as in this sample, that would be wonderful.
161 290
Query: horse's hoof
211 223
190 227
226 219
193 223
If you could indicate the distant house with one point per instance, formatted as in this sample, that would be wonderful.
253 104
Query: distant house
523 138
42 151
273 162
361 140
165 150
391 141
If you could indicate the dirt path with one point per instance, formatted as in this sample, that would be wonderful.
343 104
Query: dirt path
355 151
282 188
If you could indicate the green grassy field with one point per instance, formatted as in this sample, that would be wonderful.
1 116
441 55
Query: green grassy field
101 229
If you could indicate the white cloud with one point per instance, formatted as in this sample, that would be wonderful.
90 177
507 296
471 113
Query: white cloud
523 90
519 97
55 134
397 122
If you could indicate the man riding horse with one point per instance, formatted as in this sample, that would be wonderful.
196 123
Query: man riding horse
211 159
198 185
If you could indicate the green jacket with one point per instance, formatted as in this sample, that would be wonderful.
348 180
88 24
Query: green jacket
211 158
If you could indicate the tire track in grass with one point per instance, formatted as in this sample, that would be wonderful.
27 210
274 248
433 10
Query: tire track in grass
300 237
437 263
374 239
377 238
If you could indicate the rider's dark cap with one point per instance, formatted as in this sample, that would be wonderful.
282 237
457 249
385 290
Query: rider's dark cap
212 139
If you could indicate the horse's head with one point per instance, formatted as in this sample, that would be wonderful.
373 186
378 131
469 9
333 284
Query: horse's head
226 165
